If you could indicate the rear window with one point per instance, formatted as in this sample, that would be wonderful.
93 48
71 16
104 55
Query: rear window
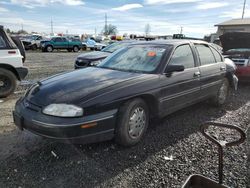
217 55
2 43
205 54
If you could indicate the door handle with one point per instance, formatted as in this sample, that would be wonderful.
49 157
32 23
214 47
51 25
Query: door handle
222 68
197 74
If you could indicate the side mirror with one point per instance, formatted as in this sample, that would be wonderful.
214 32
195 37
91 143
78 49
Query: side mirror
174 68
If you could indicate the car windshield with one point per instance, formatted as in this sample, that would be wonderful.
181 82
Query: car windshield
115 46
143 59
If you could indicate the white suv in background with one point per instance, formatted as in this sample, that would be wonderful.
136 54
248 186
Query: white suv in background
12 56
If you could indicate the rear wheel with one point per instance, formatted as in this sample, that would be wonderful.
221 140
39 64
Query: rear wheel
7 82
132 122
222 94
75 48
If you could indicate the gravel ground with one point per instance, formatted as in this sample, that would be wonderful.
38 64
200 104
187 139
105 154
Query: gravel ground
172 149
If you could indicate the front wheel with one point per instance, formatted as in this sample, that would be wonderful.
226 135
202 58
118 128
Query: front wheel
7 82
49 49
222 94
132 122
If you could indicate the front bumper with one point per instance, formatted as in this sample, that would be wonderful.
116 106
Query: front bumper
30 118
22 72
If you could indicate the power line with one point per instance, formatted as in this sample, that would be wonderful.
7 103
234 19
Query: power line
243 11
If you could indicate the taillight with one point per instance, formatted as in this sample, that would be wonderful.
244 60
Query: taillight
12 52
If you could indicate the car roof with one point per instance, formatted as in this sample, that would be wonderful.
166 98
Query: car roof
174 42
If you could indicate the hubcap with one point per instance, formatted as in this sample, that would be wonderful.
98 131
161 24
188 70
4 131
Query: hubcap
75 49
49 49
5 83
223 93
137 122
1 83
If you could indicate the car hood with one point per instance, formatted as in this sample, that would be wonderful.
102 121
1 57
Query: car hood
73 86
93 55
234 40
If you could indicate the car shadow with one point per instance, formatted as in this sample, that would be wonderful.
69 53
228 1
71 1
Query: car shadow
47 163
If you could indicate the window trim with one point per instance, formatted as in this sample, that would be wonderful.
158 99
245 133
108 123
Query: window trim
221 57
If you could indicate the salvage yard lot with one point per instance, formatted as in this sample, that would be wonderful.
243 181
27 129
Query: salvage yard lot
172 149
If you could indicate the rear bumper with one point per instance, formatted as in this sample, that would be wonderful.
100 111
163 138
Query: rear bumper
243 73
22 72
66 129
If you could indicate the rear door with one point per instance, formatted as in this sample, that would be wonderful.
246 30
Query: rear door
212 69
180 89
65 43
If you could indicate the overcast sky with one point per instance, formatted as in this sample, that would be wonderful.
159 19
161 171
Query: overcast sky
197 17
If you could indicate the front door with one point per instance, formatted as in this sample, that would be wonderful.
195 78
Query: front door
180 89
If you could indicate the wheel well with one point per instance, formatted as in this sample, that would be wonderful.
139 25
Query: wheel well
10 68
151 103
49 45
229 77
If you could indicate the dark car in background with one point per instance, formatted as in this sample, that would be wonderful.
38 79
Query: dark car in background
236 46
95 57
116 98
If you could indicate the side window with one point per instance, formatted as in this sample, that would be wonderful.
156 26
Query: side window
2 43
58 40
205 54
217 55
183 56
39 38
64 40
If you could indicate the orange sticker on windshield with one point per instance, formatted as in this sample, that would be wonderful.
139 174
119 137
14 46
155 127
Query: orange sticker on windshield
151 54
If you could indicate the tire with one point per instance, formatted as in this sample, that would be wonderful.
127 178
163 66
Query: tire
133 119
20 46
49 48
75 49
222 94
7 82
84 47
34 47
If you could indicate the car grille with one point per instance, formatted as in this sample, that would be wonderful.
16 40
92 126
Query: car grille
240 62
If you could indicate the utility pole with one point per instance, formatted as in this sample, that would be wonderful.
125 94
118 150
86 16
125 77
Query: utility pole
181 30
51 27
106 25
243 11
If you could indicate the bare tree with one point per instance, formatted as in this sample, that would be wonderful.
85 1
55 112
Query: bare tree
110 30
147 29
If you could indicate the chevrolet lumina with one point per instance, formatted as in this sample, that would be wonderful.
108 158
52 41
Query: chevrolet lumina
117 98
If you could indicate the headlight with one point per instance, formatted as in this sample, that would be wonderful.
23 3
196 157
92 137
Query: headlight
94 63
63 110
79 60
